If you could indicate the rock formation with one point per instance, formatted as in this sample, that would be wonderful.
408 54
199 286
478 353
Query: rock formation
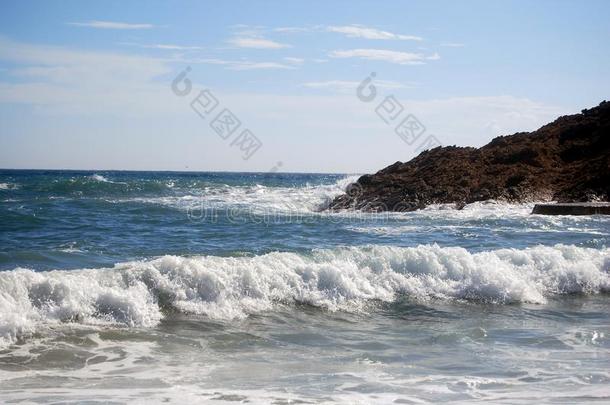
567 160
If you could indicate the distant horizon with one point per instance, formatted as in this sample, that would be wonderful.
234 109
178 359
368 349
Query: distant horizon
170 171
188 170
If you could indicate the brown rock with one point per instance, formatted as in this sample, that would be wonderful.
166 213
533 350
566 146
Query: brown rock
566 160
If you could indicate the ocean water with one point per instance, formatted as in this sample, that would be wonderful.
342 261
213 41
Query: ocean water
147 287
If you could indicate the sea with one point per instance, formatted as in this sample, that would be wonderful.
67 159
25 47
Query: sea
223 288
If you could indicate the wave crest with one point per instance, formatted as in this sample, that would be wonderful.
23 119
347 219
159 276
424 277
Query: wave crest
258 199
347 279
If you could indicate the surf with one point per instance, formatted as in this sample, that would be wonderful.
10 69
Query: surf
142 293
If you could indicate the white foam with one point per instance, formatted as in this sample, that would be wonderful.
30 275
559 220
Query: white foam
8 186
70 248
348 279
100 178
254 198
505 217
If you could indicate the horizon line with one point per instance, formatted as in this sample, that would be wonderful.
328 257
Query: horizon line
174 171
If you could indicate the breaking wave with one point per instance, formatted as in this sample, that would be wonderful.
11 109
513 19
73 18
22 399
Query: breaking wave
140 294
255 198
8 186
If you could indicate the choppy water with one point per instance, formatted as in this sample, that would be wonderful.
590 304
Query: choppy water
225 287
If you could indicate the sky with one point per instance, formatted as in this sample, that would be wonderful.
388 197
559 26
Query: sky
298 86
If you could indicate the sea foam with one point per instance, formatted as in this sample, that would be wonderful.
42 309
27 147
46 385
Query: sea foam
138 294
8 186
257 198
100 178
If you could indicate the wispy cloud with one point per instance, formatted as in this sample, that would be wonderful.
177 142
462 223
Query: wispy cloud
401 58
295 29
344 86
243 64
92 85
352 31
73 80
256 43
359 31
172 47
167 47
258 66
112 25
72 62
293 60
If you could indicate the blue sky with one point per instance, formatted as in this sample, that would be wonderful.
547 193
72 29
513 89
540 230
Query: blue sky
88 84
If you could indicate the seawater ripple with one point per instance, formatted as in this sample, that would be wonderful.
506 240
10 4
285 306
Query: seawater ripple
187 287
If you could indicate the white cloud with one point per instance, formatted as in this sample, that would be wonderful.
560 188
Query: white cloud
296 61
246 27
257 66
112 25
76 62
401 58
346 86
352 31
66 79
243 64
173 47
168 47
256 43
358 31
92 86
293 29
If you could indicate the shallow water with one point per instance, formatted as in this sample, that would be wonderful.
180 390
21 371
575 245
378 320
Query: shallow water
225 287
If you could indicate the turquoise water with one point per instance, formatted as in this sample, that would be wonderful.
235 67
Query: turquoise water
223 287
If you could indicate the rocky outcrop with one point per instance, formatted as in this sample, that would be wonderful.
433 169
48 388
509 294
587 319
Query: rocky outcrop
580 208
567 160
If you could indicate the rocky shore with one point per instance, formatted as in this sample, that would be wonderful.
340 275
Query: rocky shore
567 160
